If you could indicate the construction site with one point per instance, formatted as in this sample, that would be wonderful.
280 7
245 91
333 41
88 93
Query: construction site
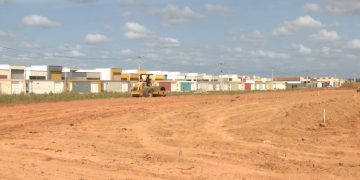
179 90
269 135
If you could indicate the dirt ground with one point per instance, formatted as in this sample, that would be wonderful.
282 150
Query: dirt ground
250 136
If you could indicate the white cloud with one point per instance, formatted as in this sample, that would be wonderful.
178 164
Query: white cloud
7 35
268 54
71 50
38 21
325 36
174 15
343 6
132 4
219 9
169 42
174 58
29 44
325 50
5 1
238 49
164 42
77 53
127 52
289 27
134 30
313 8
300 48
96 39
255 37
83 1
354 44
131 15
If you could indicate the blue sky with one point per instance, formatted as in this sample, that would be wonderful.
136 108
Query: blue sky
251 37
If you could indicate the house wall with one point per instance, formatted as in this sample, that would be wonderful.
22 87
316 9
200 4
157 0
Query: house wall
86 86
4 74
175 87
115 86
17 73
45 87
105 74
5 87
203 86
54 73
76 76
93 76
17 87
279 86
235 86
115 74
31 74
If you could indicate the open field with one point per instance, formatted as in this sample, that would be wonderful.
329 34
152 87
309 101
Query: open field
273 135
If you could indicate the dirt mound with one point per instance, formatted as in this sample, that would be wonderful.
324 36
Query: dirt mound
273 135
350 86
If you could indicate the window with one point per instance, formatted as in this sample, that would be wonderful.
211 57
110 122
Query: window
37 78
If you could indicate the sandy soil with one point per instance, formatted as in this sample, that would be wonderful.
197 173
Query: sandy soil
250 136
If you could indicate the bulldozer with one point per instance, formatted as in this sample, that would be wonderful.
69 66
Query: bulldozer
145 88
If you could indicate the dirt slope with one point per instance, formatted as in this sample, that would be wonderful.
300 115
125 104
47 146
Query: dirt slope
250 136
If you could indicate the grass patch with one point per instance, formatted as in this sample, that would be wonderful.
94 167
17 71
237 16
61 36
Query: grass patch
221 92
33 98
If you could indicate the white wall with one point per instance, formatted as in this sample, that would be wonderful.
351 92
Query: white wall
105 73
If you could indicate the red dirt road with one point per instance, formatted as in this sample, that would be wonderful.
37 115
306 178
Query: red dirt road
249 136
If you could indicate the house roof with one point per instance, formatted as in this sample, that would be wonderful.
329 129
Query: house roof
287 79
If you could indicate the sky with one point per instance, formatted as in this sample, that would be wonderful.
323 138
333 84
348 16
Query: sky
247 37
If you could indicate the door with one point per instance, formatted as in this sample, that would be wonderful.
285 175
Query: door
125 87
185 86
217 87
248 86
174 87
166 85
81 87
193 87
16 87
113 87
59 87
234 86
210 87
42 87
94 87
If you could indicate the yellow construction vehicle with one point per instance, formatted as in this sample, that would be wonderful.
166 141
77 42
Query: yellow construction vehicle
145 88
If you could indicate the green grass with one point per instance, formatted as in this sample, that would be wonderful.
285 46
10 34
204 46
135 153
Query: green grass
33 98
219 93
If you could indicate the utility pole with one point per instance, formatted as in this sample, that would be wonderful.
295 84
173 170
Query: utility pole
354 78
139 61
272 79
220 66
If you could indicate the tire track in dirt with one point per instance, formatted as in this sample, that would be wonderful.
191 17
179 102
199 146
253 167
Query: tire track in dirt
253 136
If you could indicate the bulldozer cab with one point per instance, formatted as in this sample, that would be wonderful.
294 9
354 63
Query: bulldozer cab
146 78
